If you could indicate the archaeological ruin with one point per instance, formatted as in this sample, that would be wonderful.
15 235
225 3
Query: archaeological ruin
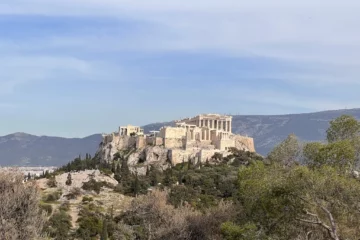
199 137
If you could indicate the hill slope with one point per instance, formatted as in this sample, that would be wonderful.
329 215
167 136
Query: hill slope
24 149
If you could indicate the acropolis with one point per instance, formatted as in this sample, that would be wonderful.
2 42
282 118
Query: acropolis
200 136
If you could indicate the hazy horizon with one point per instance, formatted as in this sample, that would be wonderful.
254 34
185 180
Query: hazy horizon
115 128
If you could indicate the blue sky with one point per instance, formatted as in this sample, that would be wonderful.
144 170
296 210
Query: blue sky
76 67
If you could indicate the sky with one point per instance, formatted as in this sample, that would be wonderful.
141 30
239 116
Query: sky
72 68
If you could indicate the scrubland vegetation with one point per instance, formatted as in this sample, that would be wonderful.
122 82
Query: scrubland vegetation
303 191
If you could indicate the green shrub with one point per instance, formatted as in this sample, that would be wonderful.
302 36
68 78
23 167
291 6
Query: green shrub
90 221
65 207
106 171
58 226
87 199
231 231
51 182
73 194
47 208
93 185
52 197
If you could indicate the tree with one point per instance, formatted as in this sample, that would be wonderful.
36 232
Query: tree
59 225
344 127
124 170
340 154
20 214
104 232
287 152
68 180
287 202
154 175
28 176
136 185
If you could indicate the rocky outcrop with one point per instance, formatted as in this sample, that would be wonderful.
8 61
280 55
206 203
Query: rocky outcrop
139 156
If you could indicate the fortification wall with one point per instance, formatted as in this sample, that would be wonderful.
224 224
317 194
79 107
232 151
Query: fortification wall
242 143
173 143
154 141
172 132
179 155
199 144
126 142
206 154
140 142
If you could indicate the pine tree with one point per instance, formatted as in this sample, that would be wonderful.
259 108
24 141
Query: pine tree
104 233
189 164
113 167
69 180
28 176
124 169
147 170
136 187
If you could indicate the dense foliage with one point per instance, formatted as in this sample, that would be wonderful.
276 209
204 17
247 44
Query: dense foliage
300 191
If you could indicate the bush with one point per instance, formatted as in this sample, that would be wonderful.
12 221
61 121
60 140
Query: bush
93 185
51 182
152 217
64 207
106 171
21 217
86 199
90 221
58 226
52 197
47 208
73 194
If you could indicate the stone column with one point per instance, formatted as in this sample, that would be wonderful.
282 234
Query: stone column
230 127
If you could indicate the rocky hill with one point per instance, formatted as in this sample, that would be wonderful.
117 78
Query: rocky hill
25 149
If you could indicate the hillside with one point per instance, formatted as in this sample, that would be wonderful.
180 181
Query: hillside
25 149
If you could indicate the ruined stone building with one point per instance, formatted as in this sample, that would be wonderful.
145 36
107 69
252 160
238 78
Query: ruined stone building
198 137
130 130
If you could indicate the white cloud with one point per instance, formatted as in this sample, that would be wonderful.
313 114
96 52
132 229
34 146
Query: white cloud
321 35
16 70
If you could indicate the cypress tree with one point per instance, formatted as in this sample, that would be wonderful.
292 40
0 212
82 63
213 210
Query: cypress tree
104 233
69 180
136 187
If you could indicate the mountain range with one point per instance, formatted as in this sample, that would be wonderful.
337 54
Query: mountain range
23 149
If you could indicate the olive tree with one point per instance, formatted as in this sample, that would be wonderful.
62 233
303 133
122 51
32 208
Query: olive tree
287 152
300 203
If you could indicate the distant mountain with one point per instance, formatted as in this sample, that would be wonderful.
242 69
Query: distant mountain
24 149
